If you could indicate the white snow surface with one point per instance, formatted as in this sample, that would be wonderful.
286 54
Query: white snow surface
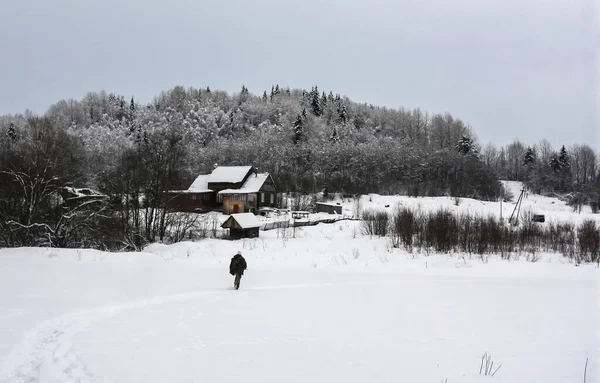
231 174
246 220
200 184
255 182
555 210
317 304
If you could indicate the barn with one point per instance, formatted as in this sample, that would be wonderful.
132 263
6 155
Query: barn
242 225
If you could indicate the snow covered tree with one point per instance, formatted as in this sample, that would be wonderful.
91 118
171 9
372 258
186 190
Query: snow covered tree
12 132
464 145
244 94
529 159
334 136
563 157
299 133
555 163
342 113
315 102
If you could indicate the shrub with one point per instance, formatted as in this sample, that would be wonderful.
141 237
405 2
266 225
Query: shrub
588 237
375 223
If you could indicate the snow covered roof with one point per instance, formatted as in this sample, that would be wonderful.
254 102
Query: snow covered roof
328 204
245 220
230 174
83 192
252 185
200 184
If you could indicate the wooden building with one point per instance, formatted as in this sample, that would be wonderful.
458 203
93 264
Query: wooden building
198 198
242 225
328 208
230 189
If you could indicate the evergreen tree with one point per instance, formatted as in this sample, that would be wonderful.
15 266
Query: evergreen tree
244 94
315 102
299 127
563 157
465 146
555 163
264 97
208 89
342 113
121 112
529 157
131 109
12 132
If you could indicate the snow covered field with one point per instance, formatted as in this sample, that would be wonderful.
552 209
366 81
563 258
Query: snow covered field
330 305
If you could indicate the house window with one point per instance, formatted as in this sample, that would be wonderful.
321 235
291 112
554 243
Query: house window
272 198
219 197
238 197
262 197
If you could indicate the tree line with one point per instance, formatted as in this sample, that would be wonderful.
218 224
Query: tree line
571 173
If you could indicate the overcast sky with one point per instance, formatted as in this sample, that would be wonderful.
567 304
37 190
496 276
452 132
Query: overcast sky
511 69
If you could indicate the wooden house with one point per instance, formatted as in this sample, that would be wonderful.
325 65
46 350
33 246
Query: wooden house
242 225
198 198
230 189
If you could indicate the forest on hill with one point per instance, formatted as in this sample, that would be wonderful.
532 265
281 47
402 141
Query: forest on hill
307 140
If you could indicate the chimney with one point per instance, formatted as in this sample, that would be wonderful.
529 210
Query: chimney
255 171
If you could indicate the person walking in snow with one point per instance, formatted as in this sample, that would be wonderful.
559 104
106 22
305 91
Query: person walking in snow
237 267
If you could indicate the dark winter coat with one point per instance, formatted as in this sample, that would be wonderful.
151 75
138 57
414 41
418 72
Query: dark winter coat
237 265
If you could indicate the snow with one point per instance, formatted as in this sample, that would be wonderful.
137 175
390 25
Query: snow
255 182
252 185
246 220
230 174
200 184
83 192
554 209
320 303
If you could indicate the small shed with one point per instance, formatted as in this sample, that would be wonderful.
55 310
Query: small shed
329 208
242 225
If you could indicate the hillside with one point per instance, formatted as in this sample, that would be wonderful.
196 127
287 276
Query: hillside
308 140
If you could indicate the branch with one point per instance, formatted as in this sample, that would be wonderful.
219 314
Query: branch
30 226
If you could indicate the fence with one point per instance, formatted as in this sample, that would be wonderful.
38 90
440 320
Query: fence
299 223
